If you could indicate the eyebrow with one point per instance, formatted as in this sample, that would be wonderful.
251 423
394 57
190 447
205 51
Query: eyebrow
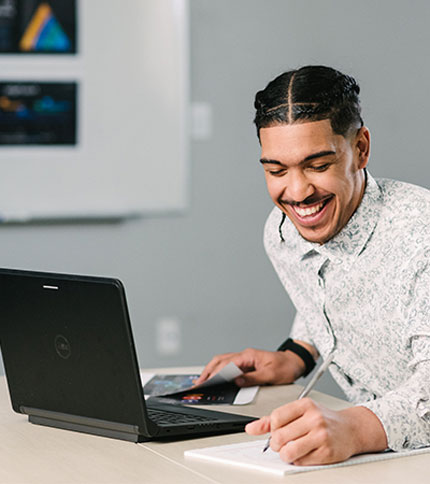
311 157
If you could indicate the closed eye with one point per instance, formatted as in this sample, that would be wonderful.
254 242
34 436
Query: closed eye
320 167
276 172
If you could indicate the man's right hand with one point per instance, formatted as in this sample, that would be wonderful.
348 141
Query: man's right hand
259 367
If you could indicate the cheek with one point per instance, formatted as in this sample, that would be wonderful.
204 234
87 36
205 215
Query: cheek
334 184
275 188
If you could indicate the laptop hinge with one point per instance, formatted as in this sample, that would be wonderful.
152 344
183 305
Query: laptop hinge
87 425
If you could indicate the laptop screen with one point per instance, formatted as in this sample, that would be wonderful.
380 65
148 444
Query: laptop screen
67 346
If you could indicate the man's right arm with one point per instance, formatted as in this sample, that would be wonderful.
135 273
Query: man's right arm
261 367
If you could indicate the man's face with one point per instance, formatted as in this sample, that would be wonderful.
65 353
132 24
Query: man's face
315 176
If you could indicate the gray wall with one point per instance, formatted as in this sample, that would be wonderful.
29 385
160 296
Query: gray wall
207 267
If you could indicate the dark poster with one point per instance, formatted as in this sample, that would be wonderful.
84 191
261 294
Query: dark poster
38 113
38 26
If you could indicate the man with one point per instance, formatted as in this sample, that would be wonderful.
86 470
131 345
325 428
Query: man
353 254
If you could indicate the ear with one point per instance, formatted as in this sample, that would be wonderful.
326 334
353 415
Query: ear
362 143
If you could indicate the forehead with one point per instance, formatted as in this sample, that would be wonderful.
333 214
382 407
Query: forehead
297 141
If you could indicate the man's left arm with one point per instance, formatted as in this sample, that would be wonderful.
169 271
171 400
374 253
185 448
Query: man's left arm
405 411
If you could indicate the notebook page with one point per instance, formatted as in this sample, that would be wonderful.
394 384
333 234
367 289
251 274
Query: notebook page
249 455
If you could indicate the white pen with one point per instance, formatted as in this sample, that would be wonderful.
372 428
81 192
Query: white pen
311 383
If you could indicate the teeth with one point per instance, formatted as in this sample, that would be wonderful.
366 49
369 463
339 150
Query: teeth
304 212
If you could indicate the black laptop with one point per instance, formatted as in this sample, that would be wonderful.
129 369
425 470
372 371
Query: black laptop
70 361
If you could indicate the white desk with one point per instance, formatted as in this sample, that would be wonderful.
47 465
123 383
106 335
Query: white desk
31 454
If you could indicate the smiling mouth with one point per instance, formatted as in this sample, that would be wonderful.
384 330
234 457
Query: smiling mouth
310 210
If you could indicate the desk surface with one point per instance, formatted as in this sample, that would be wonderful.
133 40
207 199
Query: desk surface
33 454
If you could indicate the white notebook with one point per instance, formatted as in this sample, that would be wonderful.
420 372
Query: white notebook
249 455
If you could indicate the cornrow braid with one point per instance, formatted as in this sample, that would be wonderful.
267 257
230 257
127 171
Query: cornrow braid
306 109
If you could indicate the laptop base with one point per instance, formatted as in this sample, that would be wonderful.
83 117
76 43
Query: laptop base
82 424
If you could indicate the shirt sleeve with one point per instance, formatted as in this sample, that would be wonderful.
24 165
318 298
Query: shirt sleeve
405 411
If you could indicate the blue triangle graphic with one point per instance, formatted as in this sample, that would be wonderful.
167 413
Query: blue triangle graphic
52 37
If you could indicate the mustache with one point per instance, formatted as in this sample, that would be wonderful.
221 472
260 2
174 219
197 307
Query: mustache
307 201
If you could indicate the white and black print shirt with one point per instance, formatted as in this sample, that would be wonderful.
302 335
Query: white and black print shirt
365 294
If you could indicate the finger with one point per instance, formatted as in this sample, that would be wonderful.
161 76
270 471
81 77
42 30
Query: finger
298 450
243 360
286 414
250 379
213 367
321 455
293 431
311 459
200 379
256 375
258 427
206 374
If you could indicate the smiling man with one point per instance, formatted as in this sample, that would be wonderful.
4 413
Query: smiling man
315 176
353 254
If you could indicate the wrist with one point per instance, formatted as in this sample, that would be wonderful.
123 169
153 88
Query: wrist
367 431
302 351
295 365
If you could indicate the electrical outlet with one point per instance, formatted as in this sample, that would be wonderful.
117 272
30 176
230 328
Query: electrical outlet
168 336
201 121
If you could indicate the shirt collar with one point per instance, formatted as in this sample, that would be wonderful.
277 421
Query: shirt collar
351 240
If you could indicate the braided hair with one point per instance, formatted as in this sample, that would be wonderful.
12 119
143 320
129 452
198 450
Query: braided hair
311 93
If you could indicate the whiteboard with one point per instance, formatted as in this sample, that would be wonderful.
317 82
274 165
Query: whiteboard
131 155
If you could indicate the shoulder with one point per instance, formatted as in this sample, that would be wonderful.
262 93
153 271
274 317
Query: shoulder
405 214
400 191
404 202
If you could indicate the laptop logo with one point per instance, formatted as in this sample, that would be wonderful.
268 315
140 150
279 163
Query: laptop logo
62 347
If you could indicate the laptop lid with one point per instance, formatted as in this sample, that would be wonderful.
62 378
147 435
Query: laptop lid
70 359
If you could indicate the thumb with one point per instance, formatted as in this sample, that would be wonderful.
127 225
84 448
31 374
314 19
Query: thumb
258 427
251 378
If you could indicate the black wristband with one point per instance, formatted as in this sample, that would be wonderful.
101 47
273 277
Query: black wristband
300 351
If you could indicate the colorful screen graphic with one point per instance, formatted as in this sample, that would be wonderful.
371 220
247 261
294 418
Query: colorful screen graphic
38 113
174 384
38 26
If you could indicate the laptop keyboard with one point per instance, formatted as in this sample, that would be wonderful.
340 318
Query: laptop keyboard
160 417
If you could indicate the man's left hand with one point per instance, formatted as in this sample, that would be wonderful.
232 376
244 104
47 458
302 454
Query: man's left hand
305 433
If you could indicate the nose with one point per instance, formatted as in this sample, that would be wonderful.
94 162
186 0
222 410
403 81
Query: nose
298 188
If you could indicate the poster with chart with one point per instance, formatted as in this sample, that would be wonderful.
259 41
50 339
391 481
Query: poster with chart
38 26
38 113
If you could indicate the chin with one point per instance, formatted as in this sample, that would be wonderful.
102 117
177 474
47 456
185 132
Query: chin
315 238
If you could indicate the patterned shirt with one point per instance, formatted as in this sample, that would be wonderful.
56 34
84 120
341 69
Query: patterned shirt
365 294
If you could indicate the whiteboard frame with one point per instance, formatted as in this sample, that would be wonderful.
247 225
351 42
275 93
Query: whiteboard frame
132 70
